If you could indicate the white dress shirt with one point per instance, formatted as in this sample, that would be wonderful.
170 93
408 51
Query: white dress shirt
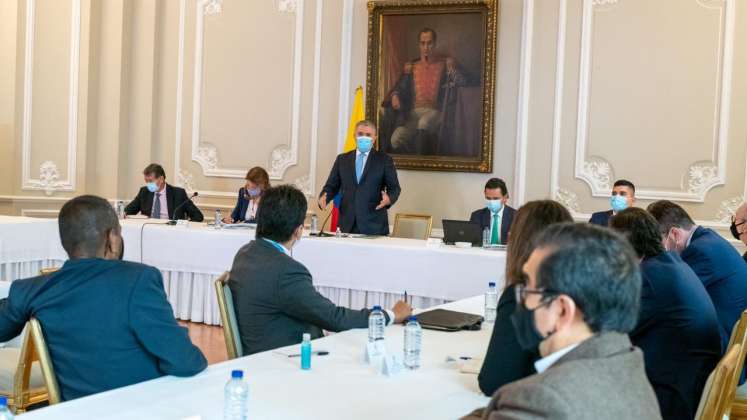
251 210
544 363
164 204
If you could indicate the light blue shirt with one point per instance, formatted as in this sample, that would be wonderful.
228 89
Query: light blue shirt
544 363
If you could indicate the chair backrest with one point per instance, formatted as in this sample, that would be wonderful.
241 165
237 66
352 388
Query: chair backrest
413 226
48 270
719 391
228 317
22 395
45 360
739 336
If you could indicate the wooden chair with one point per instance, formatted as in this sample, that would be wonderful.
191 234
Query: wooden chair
34 381
49 270
739 336
413 226
719 391
228 317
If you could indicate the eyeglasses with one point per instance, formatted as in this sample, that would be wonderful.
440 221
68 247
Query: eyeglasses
734 220
522 291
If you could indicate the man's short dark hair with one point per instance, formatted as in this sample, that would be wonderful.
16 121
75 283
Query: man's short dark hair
641 230
84 223
670 215
624 183
494 183
281 211
426 30
597 268
155 170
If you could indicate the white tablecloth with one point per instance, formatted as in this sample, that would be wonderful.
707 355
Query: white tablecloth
338 386
351 272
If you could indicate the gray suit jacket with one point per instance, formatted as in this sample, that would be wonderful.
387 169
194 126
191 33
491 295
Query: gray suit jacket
276 302
602 378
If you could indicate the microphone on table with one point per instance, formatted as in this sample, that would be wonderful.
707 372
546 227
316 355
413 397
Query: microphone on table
172 222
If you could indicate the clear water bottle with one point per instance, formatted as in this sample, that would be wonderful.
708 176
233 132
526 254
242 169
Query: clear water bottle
376 324
413 334
338 233
491 302
5 413
486 238
314 224
236 404
218 219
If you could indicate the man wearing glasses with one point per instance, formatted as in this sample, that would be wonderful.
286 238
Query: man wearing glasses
579 303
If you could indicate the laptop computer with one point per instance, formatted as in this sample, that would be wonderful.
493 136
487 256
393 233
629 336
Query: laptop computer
462 231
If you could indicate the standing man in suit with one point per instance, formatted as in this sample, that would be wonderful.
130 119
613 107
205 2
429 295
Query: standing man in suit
107 322
678 329
368 182
718 264
273 294
622 197
580 301
496 216
159 200
739 226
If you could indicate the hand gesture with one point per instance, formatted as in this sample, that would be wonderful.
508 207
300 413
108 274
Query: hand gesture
322 203
402 310
395 101
385 201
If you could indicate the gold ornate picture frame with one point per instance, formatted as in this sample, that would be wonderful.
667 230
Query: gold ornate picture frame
430 83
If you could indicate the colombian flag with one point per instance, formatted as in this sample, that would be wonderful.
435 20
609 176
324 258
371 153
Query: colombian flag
356 115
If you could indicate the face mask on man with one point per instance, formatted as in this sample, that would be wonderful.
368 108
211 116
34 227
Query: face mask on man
526 330
618 203
364 143
494 205
152 186
734 230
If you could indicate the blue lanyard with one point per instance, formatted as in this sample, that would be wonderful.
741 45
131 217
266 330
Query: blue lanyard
276 245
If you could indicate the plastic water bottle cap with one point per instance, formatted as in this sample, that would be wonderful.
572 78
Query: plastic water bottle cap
3 401
413 318
237 374
491 284
377 307
306 337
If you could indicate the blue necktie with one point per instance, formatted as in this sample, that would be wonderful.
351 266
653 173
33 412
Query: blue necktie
359 166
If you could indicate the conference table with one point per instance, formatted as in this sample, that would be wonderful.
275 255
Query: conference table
351 272
338 386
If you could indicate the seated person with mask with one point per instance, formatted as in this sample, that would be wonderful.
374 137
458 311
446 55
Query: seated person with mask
257 181
580 301
718 264
107 322
273 294
677 328
496 216
159 200
623 196
739 226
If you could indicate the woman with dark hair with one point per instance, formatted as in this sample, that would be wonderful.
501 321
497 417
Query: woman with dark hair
678 329
257 181
505 361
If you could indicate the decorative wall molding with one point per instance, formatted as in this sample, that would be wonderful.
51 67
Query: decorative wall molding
700 176
49 185
185 180
305 184
525 83
728 209
283 156
346 48
278 162
597 172
568 199
212 7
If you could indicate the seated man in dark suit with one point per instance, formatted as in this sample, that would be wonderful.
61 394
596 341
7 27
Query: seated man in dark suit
273 294
739 226
496 216
107 322
580 301
623 197
159 200
718 264
677 329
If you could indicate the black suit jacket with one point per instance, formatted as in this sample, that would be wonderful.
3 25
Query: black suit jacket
679 333
107 324
505 360
482 217
275 300
601 218
359 201
175 197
